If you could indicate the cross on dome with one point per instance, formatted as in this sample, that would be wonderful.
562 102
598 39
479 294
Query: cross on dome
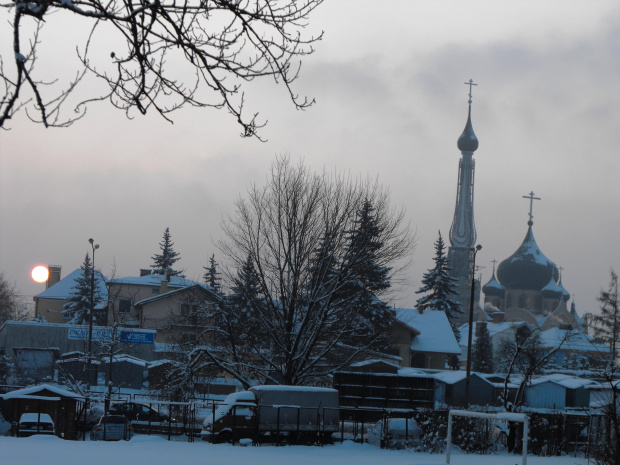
470 84
532 198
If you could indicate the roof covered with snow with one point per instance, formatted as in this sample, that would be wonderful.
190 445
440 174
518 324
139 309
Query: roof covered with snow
34 390
575 340
64 288
493 328
154 280
435 331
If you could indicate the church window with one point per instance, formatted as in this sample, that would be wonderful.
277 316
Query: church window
523 301
509 301
538 304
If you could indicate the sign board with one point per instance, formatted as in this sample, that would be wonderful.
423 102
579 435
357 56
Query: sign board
127 336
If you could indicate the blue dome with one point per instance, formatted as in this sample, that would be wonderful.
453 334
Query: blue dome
468 142
493 288
527 268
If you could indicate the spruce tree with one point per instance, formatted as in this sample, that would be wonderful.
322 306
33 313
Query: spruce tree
440 287
79 304
212 275
482 351
167 258
367 280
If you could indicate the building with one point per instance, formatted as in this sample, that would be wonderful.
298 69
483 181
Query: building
49 304
164 303
423 339
463 229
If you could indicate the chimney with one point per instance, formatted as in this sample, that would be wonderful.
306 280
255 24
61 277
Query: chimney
164 287
420 311
480 325
54 276
144 271
498 317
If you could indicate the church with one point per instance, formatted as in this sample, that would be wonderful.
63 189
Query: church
527 286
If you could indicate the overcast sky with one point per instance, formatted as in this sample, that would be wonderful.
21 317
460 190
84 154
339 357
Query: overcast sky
390 103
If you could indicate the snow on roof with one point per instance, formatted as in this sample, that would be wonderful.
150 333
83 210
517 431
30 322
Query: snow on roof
130 359
494 329
435 331
568 381
576 341
168 294
64 288
450 376
373 361
41 387
154 280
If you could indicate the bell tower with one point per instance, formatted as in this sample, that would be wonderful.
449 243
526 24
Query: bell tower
463 229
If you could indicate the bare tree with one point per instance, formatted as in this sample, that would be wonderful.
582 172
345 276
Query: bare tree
11 307
300 234
159 55
606 329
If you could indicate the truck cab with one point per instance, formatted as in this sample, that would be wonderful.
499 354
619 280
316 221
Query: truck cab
230 419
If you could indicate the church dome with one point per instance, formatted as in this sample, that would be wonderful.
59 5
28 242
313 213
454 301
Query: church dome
468 142
527 268
493 288
565 293
552 290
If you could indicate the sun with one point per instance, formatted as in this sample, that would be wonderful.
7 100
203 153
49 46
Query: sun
40 273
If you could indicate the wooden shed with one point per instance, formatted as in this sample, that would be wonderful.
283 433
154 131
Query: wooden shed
484 389
63 406
558 392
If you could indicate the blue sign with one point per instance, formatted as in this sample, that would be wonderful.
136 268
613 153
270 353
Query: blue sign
127 336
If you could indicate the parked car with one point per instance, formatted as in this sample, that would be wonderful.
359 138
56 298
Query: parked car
139 412
35 423
395 433
111 428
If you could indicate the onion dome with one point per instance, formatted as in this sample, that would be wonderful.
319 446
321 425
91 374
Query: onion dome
552 290
468 142
527 268
493 288
565 293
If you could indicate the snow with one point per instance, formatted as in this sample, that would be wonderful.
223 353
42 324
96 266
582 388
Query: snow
41 387
155 450
63 288
435 331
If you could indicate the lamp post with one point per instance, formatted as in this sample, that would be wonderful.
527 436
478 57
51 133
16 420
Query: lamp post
471 319
92 310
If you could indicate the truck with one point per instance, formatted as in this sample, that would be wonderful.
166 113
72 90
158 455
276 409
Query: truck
275 414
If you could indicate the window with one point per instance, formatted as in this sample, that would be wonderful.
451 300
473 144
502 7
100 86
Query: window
124 306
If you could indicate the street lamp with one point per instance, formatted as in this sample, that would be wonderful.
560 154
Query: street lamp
471 319
92 310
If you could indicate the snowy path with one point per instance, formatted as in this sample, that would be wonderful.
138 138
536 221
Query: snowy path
153 450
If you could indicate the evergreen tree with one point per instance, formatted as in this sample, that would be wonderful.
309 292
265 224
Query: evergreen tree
440 287
606 325
79 304
367 280
245 290
212 275
167 258
482 351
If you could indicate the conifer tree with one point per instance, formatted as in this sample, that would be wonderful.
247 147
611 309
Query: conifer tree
79 304
440 287
482 351
167 258
212 275
368 279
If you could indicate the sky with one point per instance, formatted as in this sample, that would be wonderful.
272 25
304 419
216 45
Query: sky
390 104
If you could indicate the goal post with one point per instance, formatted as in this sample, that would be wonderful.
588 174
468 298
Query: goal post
502 416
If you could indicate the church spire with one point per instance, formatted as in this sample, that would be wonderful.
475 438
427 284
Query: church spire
463 230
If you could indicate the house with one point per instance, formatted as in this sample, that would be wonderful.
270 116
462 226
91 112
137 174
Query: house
500 331
484 389
423 339
125 371
558 392
49 304
571 341
63 406
160 302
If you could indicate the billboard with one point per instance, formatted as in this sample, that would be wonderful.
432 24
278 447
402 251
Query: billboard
128 336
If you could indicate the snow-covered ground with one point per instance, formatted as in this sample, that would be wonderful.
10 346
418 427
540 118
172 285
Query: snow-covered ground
154 450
